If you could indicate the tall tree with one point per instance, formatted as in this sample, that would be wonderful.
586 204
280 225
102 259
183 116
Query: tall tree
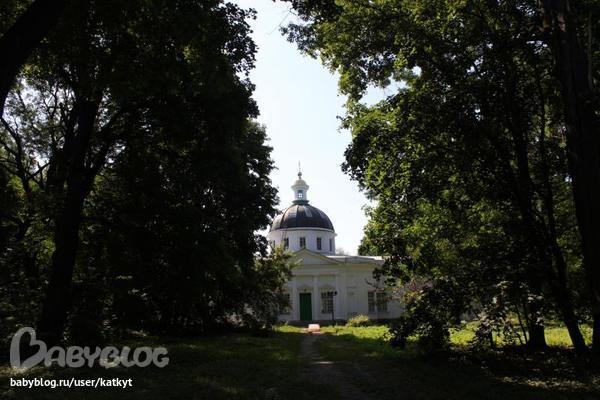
115 78
478 87
571 29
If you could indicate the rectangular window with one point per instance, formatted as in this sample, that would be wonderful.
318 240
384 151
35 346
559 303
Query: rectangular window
371 296
302 242
326 302
378 301
331 245
300 194
382 302
319 243
286 243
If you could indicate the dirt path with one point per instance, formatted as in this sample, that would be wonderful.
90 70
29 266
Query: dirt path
327 372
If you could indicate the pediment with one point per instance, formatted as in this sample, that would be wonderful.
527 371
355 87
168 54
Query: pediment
307 257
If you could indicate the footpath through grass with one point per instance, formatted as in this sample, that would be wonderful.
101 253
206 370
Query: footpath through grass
240 366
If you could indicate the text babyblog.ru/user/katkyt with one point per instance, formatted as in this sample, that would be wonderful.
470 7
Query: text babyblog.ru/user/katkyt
71 383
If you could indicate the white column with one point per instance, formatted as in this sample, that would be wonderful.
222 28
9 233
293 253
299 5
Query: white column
316 299
343 281
337 312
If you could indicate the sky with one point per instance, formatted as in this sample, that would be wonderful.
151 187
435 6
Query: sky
299 105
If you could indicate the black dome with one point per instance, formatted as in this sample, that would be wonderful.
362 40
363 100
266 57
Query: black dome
301 216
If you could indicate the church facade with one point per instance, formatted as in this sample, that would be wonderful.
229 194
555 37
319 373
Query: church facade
325 285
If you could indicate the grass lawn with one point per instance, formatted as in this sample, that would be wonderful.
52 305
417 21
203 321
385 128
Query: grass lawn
387 373
556 335
234 366
239 366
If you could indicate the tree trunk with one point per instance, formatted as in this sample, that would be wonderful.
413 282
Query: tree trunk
583 140
58 295
537 338
535 325
560 288
66 235
565 305
23 37
523 191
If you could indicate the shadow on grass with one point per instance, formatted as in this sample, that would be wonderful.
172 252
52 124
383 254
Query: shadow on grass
387 373
240 366
234 366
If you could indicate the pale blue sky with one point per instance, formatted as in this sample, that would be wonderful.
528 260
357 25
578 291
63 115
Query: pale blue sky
299 105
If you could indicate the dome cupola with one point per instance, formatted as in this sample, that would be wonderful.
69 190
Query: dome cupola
302 225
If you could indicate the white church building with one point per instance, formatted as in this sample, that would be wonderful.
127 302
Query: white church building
324 285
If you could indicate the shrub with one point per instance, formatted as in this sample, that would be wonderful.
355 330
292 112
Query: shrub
359 320
429 314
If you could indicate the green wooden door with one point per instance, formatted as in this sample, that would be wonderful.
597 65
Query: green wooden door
305 307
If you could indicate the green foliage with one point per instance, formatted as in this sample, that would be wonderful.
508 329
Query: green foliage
171 175
502 318
430 311
359 320
465 158
264 296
